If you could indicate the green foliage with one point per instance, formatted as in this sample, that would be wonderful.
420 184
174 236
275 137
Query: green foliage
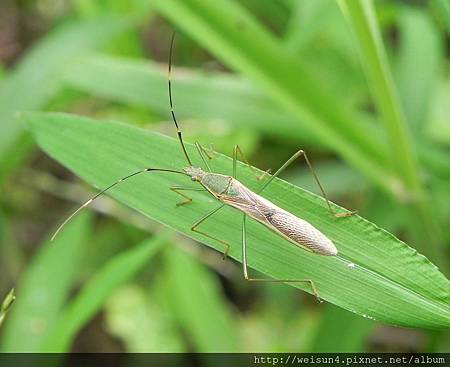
229 31
196 95
6 305
88 302
37 78
195 299
330 338
390 281
362 18
45 287
362 86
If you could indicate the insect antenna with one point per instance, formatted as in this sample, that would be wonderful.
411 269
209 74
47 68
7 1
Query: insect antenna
169 74
87 203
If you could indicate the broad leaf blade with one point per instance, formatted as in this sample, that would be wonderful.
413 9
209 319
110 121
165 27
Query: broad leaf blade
390 281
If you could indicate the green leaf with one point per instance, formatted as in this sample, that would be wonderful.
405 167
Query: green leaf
315 23
362 18
442 12
5 306
198 304
94 294
37 78
196 95
212 96
418 65
330 338
390 281
439 129
44 288
238 40
141 322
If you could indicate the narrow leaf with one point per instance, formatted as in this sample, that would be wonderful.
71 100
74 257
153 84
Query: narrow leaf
37 78
362 19
418 65
375 274
239 40
43 289
197 301
199 95
93 295
5 306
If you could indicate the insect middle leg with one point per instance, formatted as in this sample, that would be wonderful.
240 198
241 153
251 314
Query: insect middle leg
201 220
301 153
237 150
177 189
248 278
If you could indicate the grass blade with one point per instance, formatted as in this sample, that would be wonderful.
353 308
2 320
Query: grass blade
43 289
362 18
198 304
390 281
209 96
442 10
420 41
37 78
90 299
6 305
140 320
232 34
329 336
199 95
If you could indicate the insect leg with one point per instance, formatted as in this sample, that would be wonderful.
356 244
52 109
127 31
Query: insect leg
201 220
237 150
301 153
245 269
177 189
200 151
209 152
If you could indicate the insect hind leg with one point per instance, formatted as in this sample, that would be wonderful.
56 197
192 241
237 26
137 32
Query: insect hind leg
237 150
296 155
263 280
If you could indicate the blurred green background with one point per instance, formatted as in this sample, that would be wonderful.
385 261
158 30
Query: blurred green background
371 109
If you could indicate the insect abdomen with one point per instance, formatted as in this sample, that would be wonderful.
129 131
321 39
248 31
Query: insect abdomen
302 233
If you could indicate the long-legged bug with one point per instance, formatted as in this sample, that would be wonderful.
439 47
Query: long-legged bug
229 191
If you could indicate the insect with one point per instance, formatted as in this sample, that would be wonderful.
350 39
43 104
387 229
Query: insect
229 191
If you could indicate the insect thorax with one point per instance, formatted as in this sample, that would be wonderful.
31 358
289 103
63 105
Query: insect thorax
216 183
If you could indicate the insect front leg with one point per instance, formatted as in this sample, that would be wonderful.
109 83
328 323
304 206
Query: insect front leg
248 278
177 189
237 150
201 220
298 154
202 153
209 152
